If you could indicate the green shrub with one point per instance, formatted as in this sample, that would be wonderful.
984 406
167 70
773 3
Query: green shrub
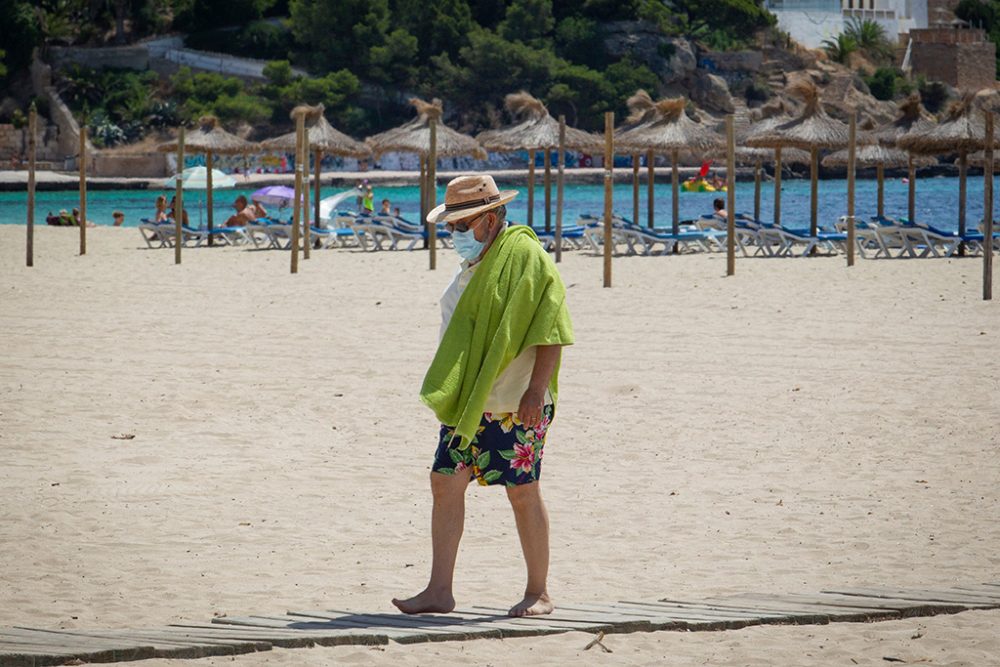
933 94
757 91
577 39
202 15
264 40
978 13
882 83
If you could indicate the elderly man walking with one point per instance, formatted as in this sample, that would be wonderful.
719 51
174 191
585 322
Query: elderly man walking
493 383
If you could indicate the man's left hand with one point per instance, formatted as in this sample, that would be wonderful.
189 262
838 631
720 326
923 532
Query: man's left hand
530 410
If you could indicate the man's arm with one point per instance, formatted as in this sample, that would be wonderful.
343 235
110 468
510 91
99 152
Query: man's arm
546 358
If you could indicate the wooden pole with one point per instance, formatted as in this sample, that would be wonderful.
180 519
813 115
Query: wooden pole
531 188
548 190
300 125
777 186
730 196
318 171
963 173
208 195
813 190
609 163
559 186
852 153
650 178
911 195
32 132
306 245
432 190
880 174
423 189
83 187
179 198
675 183
423 195
635 188
988 212
756 190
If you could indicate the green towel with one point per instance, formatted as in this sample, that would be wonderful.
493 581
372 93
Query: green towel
513 301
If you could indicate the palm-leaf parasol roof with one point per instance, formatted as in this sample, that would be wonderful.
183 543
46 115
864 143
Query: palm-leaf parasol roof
813 128
962 130
209 138
642 111
536 131
667 129
320 135
415 136
911 118
874 154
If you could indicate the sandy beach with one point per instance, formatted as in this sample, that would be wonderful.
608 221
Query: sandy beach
798 426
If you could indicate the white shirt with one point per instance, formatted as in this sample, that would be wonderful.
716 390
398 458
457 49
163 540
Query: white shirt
510 385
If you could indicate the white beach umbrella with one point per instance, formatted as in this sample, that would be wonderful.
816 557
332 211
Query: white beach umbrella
328 205
196 178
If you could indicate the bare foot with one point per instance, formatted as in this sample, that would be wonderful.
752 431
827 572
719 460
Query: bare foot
425 602
532 605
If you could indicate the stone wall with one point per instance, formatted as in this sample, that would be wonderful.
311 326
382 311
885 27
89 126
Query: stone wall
122 57
963 59
948 36
138 165
14 144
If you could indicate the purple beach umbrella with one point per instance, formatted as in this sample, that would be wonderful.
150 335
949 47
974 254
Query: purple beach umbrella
275 195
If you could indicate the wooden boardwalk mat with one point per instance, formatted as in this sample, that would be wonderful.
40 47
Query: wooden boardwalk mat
232 635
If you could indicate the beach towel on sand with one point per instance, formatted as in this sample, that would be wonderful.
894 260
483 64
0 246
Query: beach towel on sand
515 300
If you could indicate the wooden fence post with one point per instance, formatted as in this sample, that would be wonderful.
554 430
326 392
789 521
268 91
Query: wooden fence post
609 177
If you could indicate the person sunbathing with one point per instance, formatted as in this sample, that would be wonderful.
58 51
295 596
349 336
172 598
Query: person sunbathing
173 213
161 209
245 213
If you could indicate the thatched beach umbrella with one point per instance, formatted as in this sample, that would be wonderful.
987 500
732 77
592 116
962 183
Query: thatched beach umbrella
756 157
812 130
872 154
536 131
962 131
642 111
772 116
415 137
911 118
671 132
211 140
322 139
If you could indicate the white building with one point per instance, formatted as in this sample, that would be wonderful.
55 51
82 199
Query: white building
809 22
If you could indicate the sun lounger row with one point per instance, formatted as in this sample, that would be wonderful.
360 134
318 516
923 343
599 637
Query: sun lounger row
893 238
164 235
632 239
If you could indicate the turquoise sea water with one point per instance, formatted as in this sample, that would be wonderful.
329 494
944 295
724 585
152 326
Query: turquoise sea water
937 202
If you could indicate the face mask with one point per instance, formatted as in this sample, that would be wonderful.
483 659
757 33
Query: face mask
466 244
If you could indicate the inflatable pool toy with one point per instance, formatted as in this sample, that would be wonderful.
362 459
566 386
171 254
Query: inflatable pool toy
700 185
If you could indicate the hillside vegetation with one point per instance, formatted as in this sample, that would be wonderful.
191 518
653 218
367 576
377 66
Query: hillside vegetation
367 56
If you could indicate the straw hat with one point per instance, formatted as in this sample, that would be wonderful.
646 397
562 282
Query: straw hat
468 195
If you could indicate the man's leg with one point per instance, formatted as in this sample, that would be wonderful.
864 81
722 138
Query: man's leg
533 529
447 523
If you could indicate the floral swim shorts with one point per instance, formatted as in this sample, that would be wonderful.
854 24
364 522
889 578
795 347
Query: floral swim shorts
503 451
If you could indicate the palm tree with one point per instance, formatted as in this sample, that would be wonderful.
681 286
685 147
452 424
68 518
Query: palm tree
870 37
841 48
